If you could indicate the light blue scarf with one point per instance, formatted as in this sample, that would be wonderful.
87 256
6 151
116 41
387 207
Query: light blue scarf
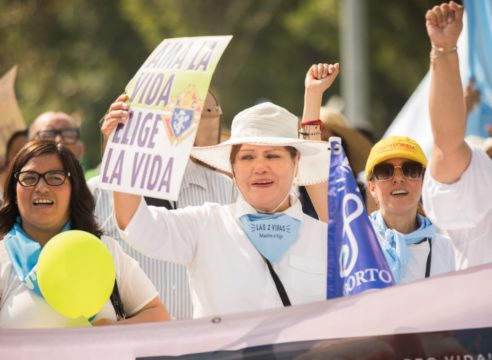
24 254
395 246
272 235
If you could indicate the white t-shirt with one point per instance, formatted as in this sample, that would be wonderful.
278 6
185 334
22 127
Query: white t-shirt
464 210
442 258
441 254
22 308
226 272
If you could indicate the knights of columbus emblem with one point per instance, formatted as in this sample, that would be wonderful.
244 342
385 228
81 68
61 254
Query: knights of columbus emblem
182 114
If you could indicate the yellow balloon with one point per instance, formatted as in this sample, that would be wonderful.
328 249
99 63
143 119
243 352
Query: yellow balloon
76 274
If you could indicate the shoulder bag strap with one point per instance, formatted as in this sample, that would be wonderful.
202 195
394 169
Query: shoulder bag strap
278 284
117 303
429 258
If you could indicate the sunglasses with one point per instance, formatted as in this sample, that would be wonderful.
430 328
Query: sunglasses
31 178
69 136
410 169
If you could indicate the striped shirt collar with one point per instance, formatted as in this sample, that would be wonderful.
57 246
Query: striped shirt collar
194 175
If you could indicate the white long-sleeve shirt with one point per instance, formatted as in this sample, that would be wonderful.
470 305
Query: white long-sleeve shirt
464 210
226 272
200 185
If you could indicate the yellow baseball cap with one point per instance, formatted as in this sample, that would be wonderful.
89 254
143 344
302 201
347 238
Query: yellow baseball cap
391 148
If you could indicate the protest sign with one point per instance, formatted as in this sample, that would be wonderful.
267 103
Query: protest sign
148 155
11 119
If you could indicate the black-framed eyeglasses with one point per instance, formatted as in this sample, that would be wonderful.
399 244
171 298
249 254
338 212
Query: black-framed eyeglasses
31 178
70 135
410 169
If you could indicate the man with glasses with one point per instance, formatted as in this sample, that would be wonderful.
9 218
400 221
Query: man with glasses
457 189
200 185
60 127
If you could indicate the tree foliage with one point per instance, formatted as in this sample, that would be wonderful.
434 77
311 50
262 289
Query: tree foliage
76 56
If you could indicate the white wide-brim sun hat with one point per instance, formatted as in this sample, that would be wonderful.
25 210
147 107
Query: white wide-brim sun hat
270 125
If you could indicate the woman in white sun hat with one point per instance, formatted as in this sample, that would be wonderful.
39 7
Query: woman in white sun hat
260 252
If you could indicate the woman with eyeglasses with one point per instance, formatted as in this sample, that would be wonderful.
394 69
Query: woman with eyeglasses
45 194
414 249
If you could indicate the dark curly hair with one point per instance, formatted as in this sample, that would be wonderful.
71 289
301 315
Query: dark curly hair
82 203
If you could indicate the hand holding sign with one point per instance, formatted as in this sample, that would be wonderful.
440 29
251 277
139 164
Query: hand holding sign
148 153
118 113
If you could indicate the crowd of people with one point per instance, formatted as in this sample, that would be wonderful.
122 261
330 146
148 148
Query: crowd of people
248 231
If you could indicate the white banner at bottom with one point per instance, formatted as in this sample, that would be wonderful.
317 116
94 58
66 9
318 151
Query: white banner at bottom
445 304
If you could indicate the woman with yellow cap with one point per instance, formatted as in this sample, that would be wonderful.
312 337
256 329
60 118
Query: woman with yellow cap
414 249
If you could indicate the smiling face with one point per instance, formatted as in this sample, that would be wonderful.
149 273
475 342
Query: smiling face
44 209
398 196
264 175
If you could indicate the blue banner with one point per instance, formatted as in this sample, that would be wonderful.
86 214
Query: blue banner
479 14
355 260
